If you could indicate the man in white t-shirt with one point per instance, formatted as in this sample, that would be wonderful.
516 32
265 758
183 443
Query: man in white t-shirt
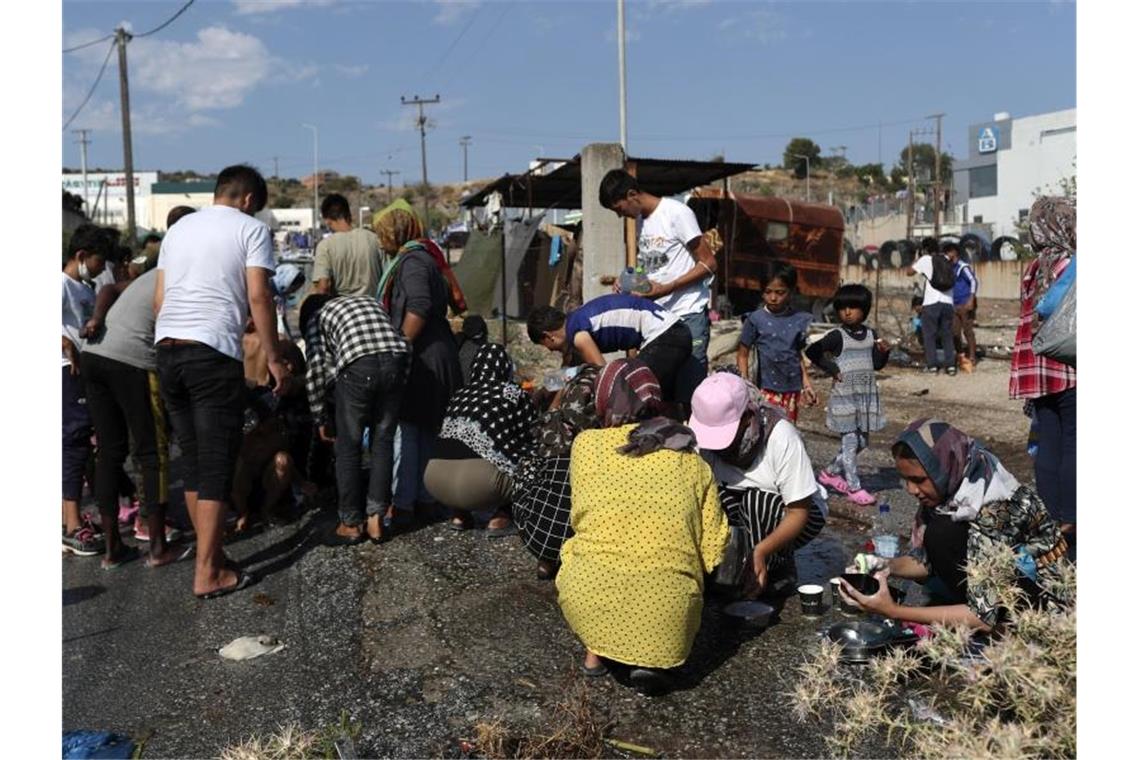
670 248
213 270
937 313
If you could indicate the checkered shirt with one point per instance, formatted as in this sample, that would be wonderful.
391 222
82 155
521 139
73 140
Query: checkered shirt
346 329
1032 376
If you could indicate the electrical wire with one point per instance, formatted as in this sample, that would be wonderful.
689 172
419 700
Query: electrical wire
93 86
166 23
87 44
442 58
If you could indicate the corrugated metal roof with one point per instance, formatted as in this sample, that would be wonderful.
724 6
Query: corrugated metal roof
562 188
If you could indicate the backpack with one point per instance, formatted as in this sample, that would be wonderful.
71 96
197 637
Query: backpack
942 272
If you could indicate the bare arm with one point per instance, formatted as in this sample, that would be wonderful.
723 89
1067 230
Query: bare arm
742 352
881 602
159 292
810 396
103 303
588 348
908 568
265 323
413 325
704 265
322 286
795 519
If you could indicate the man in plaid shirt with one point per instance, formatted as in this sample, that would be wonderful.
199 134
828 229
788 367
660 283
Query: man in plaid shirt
357 357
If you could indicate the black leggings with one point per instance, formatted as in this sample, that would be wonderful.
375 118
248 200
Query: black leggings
124 405
666 354
1056 465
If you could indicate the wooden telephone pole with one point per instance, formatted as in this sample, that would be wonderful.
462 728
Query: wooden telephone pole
122 36
421 122
389 172
937 174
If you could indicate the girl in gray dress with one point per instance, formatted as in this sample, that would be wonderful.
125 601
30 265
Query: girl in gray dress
851 354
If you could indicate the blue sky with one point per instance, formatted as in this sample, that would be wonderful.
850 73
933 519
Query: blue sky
232 80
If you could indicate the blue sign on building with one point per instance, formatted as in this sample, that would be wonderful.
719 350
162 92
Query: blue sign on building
987 140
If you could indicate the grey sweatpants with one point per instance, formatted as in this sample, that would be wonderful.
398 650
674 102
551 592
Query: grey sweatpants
844 463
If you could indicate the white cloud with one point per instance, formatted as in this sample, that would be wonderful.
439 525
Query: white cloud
631 35
450 11
260 7
676 6
763 26
351 71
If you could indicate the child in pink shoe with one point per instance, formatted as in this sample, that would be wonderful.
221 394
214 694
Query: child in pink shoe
851 354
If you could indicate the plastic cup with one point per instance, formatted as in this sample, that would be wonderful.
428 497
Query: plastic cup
886 546
811 599
835 600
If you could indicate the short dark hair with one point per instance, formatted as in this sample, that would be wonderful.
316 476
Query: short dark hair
310 307
92 239
475 327
947 245
177 213
335 206
152 238
853 296
615 186
542 320
242 179
784 272
929 244
292 353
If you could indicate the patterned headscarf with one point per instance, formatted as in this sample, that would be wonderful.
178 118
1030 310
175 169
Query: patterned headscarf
396 224
1053 235
627 391
557 428
491 414
965 474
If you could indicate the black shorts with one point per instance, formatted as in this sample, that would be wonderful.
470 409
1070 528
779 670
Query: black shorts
204 392
666 354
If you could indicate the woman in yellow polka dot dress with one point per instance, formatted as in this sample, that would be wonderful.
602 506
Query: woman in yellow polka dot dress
647 528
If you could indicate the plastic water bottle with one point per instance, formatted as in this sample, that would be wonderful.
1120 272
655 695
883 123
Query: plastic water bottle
885 540
634 280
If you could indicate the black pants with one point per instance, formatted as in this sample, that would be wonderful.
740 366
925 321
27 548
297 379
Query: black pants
204 391
367 393
76 435
124 404
938 325
666 354
1056 464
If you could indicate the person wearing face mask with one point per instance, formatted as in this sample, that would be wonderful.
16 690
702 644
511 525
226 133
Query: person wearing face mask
86 257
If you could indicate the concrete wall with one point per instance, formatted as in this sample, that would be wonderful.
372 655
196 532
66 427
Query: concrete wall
878 230
996 279
159 205
603 233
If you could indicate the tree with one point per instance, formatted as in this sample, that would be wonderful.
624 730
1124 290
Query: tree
800 146
924 163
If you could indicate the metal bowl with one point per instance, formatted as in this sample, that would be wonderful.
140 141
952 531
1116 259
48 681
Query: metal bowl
861 639
753 614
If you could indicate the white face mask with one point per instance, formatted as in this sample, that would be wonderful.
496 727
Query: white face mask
84 274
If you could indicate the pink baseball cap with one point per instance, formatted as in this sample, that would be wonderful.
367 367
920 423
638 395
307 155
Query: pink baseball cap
718 404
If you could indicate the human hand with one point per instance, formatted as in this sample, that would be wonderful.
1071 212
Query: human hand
325 435
883 345
281 374
656 290
92 328
72 355
756 575
880 602
809 396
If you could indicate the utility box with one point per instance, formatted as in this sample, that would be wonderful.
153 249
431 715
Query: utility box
757 232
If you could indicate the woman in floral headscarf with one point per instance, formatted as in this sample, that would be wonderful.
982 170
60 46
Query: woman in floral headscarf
1049 387
968 502
415 294
647 528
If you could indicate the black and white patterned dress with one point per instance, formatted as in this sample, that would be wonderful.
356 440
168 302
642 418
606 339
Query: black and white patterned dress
854 402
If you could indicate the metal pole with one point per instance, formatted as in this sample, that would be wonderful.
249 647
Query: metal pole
421 122
503 277
83 165
121 38
621 73
938 175
463 143
316 184
910 186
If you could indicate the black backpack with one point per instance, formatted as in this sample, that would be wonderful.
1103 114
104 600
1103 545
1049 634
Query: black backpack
942 277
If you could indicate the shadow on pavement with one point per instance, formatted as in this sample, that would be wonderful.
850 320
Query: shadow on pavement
81 594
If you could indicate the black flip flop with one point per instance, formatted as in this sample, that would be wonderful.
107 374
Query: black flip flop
244 580
650 681
459 524
595 672
335 539
510 529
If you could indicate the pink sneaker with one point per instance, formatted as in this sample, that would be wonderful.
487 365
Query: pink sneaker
834 482
128 510
862 497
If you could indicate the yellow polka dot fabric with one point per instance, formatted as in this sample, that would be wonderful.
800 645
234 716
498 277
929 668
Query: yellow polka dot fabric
646 530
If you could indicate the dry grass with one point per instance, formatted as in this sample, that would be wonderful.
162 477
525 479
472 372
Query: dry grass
1017 699
292 742
578 732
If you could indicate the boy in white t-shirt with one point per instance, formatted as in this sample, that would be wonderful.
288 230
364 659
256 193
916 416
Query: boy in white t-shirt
674 254
86 259
937 312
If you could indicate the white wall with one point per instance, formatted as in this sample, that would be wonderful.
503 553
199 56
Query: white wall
112 204
1034 163
160 204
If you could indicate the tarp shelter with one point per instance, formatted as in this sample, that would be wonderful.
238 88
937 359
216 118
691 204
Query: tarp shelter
479 271
562 188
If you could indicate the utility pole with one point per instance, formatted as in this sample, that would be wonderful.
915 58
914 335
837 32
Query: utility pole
121 39
275 174
316 185
83 141
807 175
421 122
463 143
910 186
389 172
937 174
621 74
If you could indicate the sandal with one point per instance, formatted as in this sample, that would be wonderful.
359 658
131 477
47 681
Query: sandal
546 570
380 528
595 672
336 539
244 580
127 554
461 522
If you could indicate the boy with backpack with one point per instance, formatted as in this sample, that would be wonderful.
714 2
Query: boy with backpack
937 306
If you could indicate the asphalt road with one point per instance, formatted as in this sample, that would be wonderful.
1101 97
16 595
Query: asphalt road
417 640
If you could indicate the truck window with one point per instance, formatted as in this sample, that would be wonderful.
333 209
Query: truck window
776 231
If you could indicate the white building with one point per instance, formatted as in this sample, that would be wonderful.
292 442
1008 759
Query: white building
1011 162
165 196
107 196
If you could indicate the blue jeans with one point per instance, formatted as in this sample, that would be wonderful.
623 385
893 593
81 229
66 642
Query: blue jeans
413 452
367 396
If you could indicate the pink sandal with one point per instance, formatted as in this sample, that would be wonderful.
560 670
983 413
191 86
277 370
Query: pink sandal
834 482
862 497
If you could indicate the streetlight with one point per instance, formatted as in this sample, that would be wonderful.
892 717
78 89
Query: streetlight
807 175
362 210
316 184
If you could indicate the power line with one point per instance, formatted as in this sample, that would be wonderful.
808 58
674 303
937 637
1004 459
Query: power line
88 44
166 23
442 58
92 90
